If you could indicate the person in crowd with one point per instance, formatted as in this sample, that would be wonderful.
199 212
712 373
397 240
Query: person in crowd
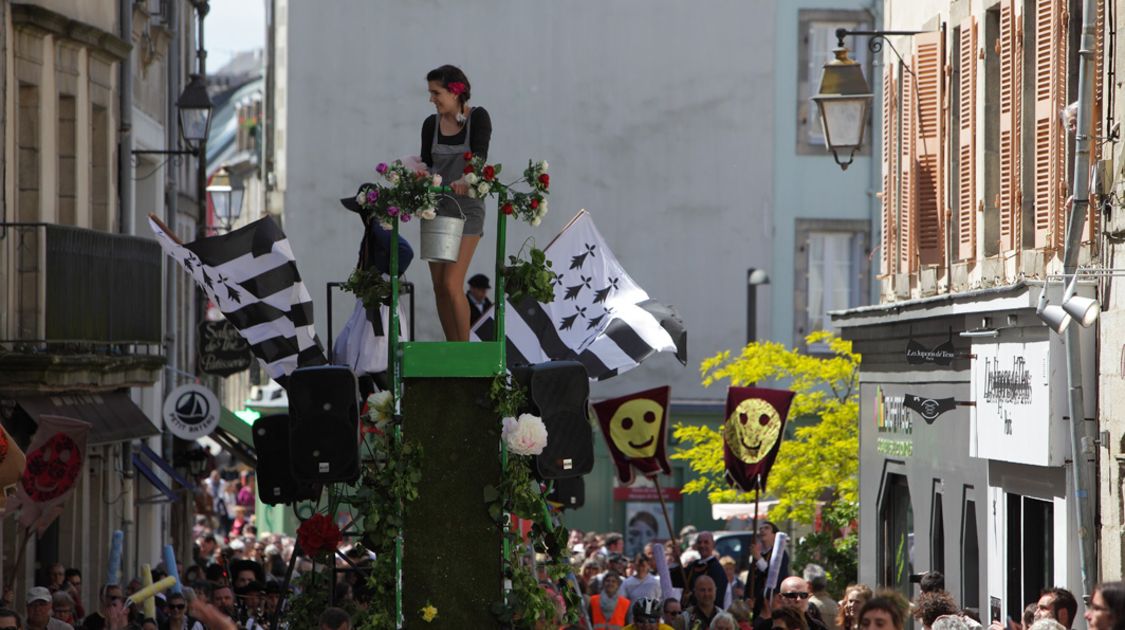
588 579
736 589
335 619
949 622
1029 615
609 606
1058 604
39 611
793 593
111 599
56 577
1107 607
62 607
724 621
456 129
671 610
614 543
642 584
825 605
855 596
1046 623
10 619
931 582
881 613
761 553
646 615
477 295
929 605
788 619
707 564
704 610
222 596
211 617
178 617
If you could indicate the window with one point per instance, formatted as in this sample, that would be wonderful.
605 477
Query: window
816 40
991 122
67 145
27 156
970 555
896 535
937 533
832 260
1031 547
99 170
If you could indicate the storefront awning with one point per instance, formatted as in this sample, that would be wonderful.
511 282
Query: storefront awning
236 437
113 416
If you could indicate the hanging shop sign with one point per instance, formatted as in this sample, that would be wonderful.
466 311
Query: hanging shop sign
1011 384
918 354
222 350
929 408
191 411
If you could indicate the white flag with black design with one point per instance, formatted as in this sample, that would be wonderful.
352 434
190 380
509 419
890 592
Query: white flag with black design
599 317
251 275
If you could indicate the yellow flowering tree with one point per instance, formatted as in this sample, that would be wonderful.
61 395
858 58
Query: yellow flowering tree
820 463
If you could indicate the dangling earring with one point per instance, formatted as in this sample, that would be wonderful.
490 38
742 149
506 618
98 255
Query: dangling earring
461 115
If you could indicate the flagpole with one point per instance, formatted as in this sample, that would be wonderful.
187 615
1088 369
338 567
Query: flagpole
164 226
671 530
393 364
754 529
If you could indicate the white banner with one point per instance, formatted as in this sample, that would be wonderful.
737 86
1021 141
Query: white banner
1011 384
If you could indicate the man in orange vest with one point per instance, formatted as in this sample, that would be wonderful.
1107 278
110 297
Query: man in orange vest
609 610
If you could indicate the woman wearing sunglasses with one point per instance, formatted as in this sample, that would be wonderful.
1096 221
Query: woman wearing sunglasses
178 619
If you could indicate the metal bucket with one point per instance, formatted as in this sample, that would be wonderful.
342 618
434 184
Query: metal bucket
441 238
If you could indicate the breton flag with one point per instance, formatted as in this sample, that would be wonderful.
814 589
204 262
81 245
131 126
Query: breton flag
600 317
251 275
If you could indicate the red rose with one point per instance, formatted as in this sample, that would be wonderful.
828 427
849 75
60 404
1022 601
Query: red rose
545 179
468 155
489 173
468 169
318 535
507 208
534 203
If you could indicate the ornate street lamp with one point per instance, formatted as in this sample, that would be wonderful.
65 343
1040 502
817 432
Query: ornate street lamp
195 112
225 198
843 102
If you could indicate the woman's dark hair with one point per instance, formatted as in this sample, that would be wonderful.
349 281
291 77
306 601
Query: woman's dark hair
1114 595
451 74
929 606
887 605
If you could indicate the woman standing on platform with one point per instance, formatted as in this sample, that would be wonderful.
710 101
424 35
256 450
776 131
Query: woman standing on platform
456 129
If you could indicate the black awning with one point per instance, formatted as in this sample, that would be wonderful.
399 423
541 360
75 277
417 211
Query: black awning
113 416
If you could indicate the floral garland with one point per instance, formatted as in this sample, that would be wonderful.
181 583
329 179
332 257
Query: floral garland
409 190
530 278
483 180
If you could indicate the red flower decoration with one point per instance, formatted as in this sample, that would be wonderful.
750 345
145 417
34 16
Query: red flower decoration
468 169
318 535
545 179
457 87
489 173
468 155
534 203
507 208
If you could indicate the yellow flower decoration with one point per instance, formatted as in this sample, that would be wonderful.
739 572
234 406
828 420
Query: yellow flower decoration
429 612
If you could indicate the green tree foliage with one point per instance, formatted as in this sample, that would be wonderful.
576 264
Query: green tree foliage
819 463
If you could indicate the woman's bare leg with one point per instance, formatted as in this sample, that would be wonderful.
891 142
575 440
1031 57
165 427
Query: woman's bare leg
441 301
453 281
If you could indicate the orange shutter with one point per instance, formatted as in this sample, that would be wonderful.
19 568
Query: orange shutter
1009 128
1096 122
1050 98
966 142
908 186
890 163
929 62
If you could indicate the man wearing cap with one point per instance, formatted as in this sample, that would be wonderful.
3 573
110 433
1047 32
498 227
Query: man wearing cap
39 611
478 297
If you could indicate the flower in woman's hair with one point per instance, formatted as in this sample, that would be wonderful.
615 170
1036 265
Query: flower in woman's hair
457 88
392 210
526 435
372 195
437 180
428 214
382 168
405 217
507 208
468 155
489 173
545 179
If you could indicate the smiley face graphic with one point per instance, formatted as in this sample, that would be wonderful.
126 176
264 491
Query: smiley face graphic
635 427
752 430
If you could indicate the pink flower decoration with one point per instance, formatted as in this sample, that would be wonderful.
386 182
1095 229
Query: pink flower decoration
382 168
372 196
393 211
457 88
405 217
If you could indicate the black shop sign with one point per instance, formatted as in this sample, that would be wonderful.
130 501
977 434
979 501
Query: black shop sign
222 351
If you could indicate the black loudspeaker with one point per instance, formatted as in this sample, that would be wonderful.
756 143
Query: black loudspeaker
324 424
559 393
276 484
569 492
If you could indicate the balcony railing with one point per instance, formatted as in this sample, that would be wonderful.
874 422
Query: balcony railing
71 289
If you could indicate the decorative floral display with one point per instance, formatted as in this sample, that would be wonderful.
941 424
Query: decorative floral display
526 435
380 409
483 180
318 535
409 190
530 278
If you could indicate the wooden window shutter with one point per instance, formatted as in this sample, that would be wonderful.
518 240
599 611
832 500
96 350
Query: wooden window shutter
966 142
1050 99
929 61
890 164
908 187
1009 128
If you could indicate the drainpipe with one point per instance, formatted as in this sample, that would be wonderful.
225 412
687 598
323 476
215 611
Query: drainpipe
171 197
1083 453
125 222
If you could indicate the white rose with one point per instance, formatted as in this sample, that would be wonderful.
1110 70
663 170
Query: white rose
536 221
543 166
543 207
483 188
526 435
392 177
437 180
428 214
361 199
471 178
379 408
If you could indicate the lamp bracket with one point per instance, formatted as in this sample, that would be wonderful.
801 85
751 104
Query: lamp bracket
878 38
191 152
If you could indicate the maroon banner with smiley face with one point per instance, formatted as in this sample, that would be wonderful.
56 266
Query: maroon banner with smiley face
54 462
635 429
752 434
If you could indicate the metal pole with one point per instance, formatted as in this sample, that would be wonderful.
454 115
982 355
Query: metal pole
1082 451
202 7
751 308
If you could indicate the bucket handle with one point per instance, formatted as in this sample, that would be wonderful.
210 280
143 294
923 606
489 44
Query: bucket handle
453 198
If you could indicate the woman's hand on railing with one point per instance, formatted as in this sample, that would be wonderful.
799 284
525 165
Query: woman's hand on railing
460 187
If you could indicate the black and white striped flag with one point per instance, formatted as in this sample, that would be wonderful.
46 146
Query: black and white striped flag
600 317
251 275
